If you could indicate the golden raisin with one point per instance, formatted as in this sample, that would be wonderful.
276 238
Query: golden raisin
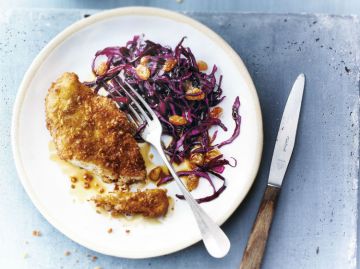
177 120
216 112
165 171
86 185
73 179
197 158
145 60
101 69
202 65
211 155
169 64
194 94
155 173
142 72
192 181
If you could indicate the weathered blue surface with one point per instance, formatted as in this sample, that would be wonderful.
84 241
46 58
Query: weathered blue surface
270 6
315 225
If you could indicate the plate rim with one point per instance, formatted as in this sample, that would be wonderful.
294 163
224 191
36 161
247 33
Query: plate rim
62 36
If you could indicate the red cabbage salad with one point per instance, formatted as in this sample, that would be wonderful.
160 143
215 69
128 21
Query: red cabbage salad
185 98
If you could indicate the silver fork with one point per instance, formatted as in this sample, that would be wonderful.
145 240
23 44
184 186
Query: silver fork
215 240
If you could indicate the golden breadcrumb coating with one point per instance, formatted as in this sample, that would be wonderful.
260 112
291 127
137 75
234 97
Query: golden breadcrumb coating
149 203
91 132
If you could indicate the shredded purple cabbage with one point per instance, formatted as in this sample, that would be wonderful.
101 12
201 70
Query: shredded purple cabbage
166 91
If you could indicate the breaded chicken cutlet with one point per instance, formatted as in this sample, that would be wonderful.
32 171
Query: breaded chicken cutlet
91 132
149 203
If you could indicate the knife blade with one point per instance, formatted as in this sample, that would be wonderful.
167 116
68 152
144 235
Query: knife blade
285 140
284 146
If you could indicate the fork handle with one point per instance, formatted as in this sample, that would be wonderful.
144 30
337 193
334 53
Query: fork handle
215 240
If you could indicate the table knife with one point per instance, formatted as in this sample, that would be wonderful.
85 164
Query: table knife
284 145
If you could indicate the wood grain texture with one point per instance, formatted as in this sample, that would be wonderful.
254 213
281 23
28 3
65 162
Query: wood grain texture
255 247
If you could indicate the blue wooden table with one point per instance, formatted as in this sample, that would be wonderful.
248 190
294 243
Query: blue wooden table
269 6
315 225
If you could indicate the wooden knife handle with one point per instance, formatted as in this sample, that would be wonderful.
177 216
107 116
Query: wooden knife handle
255 247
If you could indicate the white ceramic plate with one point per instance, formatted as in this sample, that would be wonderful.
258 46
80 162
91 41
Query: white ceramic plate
73 50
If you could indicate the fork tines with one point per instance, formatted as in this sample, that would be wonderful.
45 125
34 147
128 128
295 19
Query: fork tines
141 112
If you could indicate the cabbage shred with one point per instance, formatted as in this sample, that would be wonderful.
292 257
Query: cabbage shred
172 84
